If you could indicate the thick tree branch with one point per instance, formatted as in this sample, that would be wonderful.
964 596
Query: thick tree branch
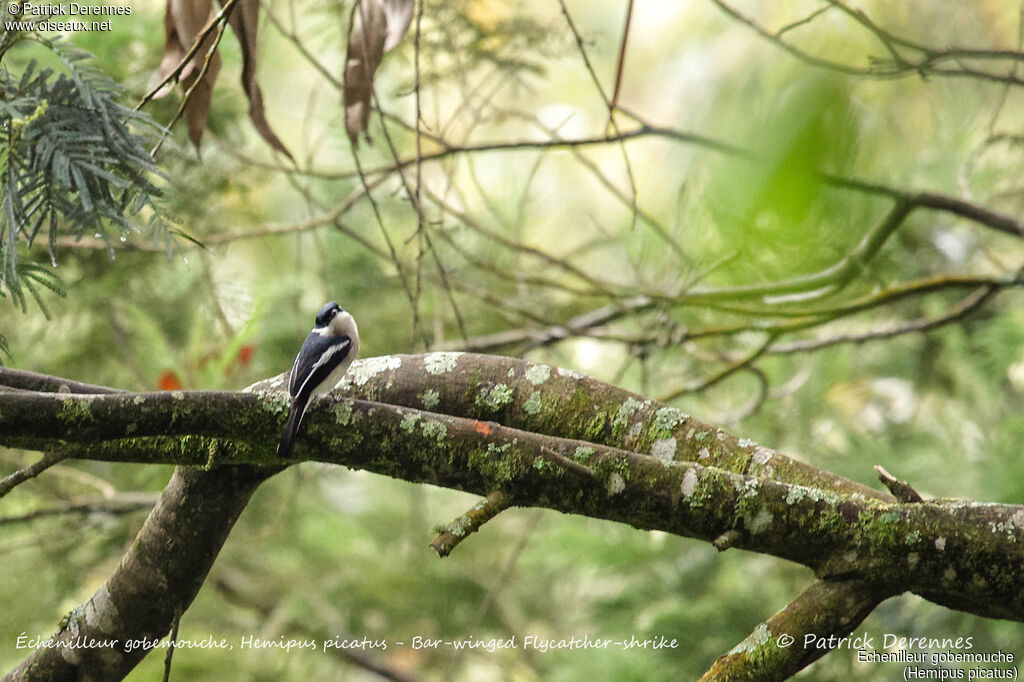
962 554
158 577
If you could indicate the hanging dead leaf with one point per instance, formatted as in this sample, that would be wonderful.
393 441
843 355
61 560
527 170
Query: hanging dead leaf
184 21
376 27
244 21
399 15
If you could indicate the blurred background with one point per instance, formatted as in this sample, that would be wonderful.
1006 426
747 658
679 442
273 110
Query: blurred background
518 235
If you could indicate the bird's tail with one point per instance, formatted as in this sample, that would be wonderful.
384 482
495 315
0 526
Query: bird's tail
291 427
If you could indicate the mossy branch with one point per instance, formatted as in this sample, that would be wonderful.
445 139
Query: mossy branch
494 425
157 578
790 640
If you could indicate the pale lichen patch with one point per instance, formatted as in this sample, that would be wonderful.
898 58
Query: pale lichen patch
101 613
746 443
754 641
689 483
583 453
704 453
761 456
746 487
409 422
494 397
343 412
795 494
430 398
668 418
665 449
277 402
538 374
759 522
1004 528
616 484
362 371
494 449
459 526
940 543
533 403
434 429
626 412
440 363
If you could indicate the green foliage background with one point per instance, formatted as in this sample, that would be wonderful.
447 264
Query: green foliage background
333 551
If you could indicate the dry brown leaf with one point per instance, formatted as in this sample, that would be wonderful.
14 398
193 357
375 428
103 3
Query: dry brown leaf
244 21
184 20
377 26
399 14
198 106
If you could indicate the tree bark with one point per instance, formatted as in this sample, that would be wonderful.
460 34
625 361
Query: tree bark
535 436
155 582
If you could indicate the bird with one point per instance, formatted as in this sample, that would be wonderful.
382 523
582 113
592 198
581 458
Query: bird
322 361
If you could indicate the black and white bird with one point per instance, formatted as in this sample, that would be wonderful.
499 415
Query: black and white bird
323 359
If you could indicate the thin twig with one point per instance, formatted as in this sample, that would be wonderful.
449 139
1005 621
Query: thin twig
901 490
170 645
470 522
123 504
21 475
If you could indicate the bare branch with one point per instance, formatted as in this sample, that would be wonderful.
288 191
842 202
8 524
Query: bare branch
470 522
21 475
901 490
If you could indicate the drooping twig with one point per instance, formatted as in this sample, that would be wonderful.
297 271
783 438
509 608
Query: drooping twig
31 471
170 647
470 522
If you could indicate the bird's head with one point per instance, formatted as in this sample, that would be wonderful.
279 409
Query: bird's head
327 314
336 320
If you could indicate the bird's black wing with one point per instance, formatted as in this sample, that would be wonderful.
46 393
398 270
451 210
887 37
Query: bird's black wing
317 358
